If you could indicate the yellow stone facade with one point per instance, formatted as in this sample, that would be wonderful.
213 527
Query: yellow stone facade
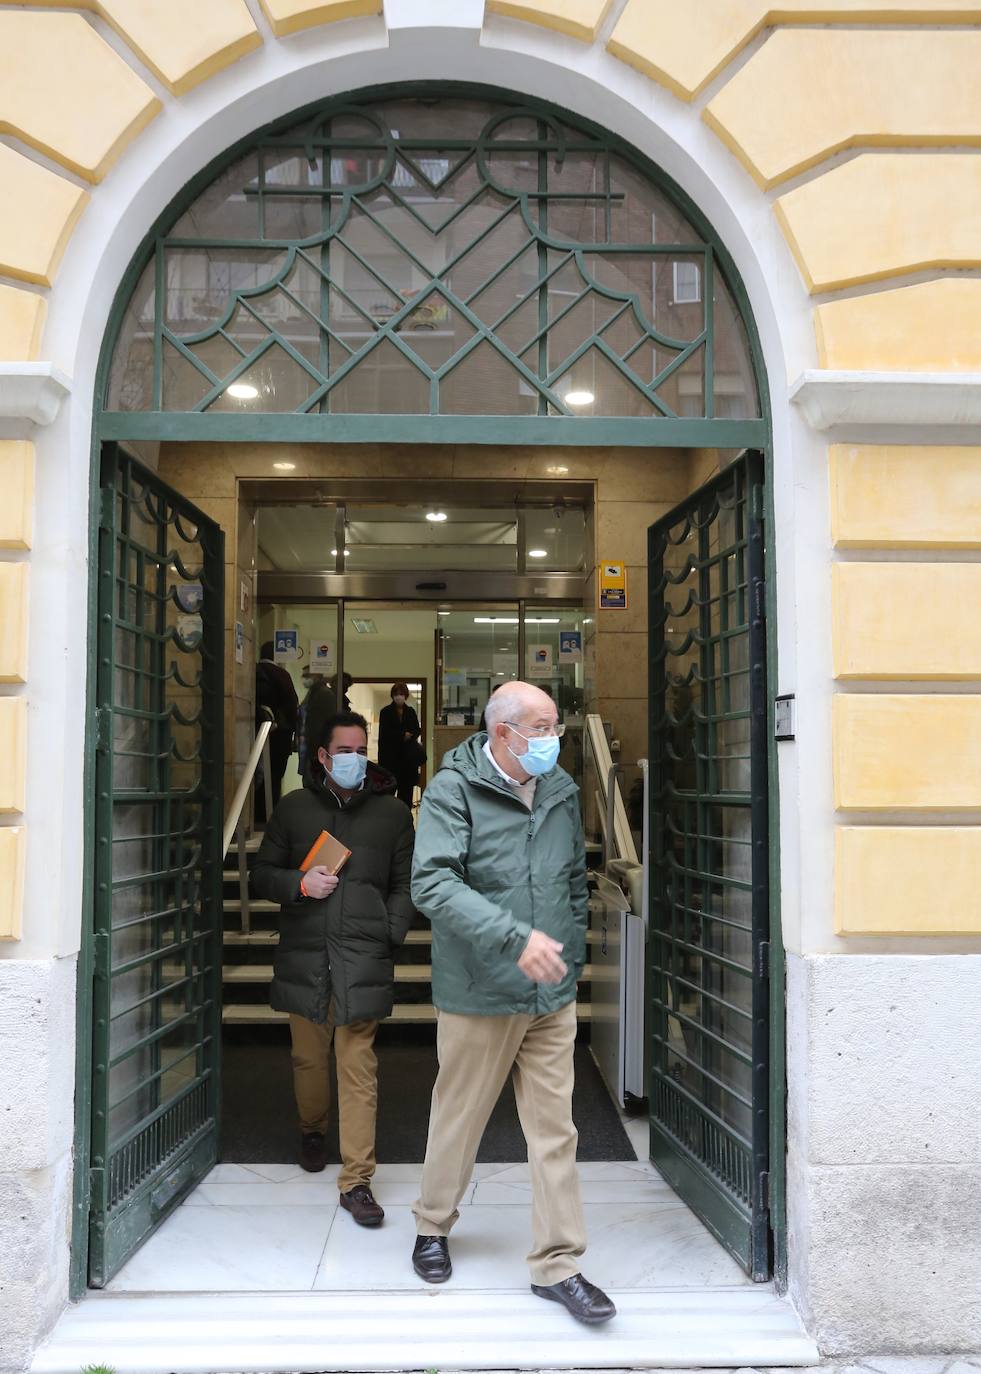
17 484
12 850
877 110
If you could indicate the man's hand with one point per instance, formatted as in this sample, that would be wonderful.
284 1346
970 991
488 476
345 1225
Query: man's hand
540 959
319 882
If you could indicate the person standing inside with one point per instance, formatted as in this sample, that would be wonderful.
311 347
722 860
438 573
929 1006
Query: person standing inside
334 969
275 700
399 749
500 871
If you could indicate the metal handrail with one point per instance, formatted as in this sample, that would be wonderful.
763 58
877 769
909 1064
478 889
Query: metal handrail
260 750
611 803
235 820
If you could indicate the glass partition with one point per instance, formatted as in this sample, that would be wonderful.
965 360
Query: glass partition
477 650
430 538
304 640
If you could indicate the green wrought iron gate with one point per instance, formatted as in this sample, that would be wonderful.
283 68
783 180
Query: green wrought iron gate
709 928
157 907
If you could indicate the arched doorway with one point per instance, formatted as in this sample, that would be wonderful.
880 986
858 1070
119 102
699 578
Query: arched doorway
422 265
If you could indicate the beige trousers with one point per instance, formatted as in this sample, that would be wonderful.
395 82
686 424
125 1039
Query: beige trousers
357 1089
476 1054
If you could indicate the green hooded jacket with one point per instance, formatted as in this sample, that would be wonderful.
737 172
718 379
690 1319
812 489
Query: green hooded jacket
340 947
486 872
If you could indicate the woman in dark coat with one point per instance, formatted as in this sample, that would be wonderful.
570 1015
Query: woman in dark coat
399 749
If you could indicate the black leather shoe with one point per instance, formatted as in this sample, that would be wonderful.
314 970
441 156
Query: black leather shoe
313 1152
583 1299
431 1259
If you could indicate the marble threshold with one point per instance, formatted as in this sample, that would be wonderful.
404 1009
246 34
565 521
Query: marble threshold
260 1270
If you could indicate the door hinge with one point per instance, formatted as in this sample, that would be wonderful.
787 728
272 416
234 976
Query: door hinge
96 1190
763 959
107 498
103 729
759 598
763 1193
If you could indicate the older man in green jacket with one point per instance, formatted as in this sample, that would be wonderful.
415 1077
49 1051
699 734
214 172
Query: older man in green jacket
500 871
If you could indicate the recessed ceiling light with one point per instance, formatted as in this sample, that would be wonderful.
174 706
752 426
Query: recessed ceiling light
541 620
243 391
284 467
442 612
538 553
436 516
579 398
557 469
333 553
495 620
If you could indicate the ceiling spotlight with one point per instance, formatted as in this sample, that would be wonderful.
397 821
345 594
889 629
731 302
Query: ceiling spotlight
579 398
538 553
243 391
284 467
436 516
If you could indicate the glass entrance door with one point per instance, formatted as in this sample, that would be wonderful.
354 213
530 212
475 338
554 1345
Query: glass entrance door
157 907
709 905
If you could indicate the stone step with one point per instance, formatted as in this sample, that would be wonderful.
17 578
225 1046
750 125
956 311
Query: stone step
252 847
258 1014
404 973
748 1327
262 938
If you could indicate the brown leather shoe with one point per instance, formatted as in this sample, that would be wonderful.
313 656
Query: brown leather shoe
362 1206
313 1152
583 1299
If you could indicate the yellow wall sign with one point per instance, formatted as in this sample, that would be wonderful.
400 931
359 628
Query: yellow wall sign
613 586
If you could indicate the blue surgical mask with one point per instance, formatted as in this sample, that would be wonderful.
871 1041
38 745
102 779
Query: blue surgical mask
348 770
542 755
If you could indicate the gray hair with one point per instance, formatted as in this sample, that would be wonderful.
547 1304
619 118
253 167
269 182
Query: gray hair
507 703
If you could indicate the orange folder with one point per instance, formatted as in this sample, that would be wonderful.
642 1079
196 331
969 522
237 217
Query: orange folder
326 852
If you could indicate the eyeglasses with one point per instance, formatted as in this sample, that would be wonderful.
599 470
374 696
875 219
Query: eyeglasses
537 731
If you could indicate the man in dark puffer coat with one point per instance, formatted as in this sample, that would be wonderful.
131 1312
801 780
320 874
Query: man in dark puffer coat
334 971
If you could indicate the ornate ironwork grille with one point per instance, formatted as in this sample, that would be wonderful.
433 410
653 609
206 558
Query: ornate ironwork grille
709 903
434 256
157 910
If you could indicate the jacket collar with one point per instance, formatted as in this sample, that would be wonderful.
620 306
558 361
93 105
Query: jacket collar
470 760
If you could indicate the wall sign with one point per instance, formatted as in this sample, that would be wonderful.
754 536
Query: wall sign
539 660
613 586
286 647
321 656
570 646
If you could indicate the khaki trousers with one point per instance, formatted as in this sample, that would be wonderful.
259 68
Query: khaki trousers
476 1054
357 1089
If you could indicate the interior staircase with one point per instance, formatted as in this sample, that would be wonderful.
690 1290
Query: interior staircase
250 945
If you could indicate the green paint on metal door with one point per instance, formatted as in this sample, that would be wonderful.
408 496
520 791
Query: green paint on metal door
709 932
157 907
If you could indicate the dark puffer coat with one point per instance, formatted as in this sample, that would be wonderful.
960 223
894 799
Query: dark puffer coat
342 946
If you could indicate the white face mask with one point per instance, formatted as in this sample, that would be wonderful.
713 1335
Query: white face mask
399 699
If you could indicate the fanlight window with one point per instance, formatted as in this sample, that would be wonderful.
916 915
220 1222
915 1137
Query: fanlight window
440 256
